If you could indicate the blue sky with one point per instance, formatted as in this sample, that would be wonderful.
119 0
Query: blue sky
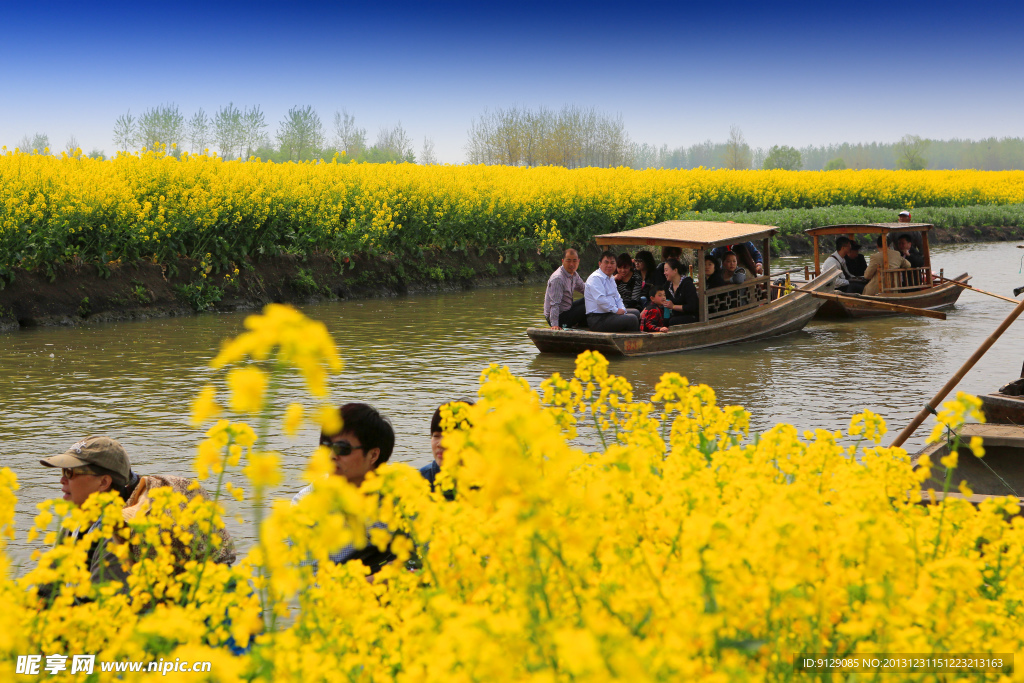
679 73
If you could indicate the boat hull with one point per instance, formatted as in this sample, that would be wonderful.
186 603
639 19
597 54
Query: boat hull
787 314
999 473
1003 409
940 296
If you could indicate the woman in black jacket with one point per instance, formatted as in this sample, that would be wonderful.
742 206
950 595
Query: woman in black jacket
682 295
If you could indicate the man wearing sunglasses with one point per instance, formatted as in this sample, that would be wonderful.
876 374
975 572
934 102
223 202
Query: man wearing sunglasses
365 442
94 465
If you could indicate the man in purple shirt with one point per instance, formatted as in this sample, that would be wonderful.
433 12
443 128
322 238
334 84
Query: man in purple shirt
559 309
605 310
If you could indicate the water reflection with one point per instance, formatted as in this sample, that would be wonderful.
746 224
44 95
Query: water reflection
135 381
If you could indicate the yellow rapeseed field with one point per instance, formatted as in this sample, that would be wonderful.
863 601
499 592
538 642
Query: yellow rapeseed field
154 206
685 548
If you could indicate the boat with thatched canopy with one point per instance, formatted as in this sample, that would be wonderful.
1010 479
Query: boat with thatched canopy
918 288
730 314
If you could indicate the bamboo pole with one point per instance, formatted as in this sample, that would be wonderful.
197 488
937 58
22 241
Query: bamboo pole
975 289
955 379
868 303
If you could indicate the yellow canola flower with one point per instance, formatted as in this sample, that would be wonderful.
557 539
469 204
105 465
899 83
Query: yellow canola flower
205 406
248 385
263 470
292 419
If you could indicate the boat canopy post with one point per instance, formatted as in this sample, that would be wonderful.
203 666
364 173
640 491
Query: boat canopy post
885 263
701 289
767 262
817 262
927 255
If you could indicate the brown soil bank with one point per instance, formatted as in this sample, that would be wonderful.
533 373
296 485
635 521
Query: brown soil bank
82 293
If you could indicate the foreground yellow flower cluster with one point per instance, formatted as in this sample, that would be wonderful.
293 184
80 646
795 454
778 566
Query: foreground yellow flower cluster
685 548
154 206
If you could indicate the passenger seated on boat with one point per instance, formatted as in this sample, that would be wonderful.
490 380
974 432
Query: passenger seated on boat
874 271
731 272
643 263
666 254
652 319
746 252
605 310
628 282
682 295
712 273
431 471
559 308
905 245
845 282
855 261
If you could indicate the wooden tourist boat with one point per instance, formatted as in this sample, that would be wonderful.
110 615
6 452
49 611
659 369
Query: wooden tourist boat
999 473
730 314
915 287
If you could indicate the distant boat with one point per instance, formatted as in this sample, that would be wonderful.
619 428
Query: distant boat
915 287
728 315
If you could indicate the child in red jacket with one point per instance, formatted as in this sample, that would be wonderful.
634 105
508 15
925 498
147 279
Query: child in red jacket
652 319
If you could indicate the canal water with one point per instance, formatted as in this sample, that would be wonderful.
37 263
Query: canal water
135 380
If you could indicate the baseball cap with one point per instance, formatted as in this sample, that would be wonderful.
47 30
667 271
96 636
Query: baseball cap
98 451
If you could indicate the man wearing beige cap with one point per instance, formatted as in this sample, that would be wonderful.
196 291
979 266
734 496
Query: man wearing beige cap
93 465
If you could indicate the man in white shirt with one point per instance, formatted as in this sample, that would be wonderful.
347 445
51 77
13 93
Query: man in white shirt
844 281
605 310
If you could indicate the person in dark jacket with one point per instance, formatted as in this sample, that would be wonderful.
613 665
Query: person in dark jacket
644 265
628 282
667 253
855 261
712 273
431 470
682 295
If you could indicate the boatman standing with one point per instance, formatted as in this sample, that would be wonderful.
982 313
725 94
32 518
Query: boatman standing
605 310
559 309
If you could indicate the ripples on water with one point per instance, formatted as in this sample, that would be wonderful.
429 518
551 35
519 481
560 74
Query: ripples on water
135 381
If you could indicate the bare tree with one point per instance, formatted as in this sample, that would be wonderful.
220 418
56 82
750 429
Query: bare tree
348 138
71 146
37 144
737 151
572 137
228 131
396 142
125 132
301 134
910 153
162 124
199 131
427 156
254 128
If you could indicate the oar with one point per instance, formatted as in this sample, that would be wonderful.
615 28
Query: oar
955 379
975 289
868 303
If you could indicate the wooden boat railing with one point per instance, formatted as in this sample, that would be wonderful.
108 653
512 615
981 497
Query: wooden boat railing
732 299
906 279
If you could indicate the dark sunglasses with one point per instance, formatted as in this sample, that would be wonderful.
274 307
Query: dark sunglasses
70 472
339 448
